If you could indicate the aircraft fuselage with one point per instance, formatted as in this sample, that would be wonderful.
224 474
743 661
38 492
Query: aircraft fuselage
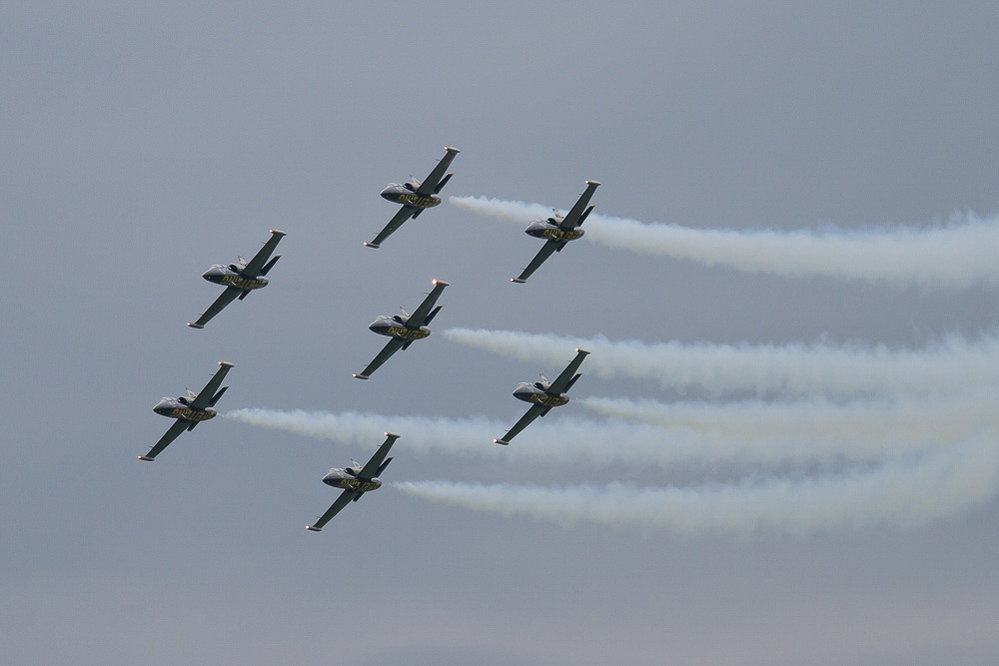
549 231
229 276
175 409
531 393
340 478
393 328
400 194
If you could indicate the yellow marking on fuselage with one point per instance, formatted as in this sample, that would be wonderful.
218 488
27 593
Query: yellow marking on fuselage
546 400
358 485
241 282
417 201
562 234
191 414
404 333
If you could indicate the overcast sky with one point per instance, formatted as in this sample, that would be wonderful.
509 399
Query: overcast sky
796 467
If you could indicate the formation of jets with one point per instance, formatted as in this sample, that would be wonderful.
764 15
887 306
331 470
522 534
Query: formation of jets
242 277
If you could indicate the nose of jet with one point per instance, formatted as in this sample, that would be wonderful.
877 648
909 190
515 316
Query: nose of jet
213 274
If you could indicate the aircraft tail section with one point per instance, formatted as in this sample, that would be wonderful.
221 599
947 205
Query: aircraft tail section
270 265
432 314
191 427
416 214
381 468
572 381
243 294
582 218
215 398
440 185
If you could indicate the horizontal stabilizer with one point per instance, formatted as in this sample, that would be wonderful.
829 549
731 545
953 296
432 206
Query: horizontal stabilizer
270 265
243 294
582 218
405 345
191 427
385 464
417 213
572 381
440 185
433 313
215 398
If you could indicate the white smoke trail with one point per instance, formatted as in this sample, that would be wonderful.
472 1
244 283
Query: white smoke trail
957 254
901 493
949 418
602 443
818 369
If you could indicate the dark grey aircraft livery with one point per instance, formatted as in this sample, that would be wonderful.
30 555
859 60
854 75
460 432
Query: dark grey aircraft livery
240 278
189 410
558 231
544 395
355 481
403 328
415 196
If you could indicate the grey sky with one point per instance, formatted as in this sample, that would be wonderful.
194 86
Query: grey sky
143 144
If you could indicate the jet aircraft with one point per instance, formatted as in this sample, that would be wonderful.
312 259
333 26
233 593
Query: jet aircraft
544 395
355 481
240 278
189 410
403 328
415 196
558 230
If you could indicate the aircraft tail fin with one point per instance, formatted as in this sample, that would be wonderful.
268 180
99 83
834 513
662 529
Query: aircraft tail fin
270 265
440 185
215 398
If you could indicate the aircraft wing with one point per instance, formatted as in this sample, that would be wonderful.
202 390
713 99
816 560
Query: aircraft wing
205 397
253 268
572 219
343 500
370 469
546 251
224 299
171 434
525 420
429 185
397 221
419 315
391 347
561 382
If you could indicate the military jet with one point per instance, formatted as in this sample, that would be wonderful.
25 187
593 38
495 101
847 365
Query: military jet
240 278
558 230
544 395
404 328
415 196
189 410
355 481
